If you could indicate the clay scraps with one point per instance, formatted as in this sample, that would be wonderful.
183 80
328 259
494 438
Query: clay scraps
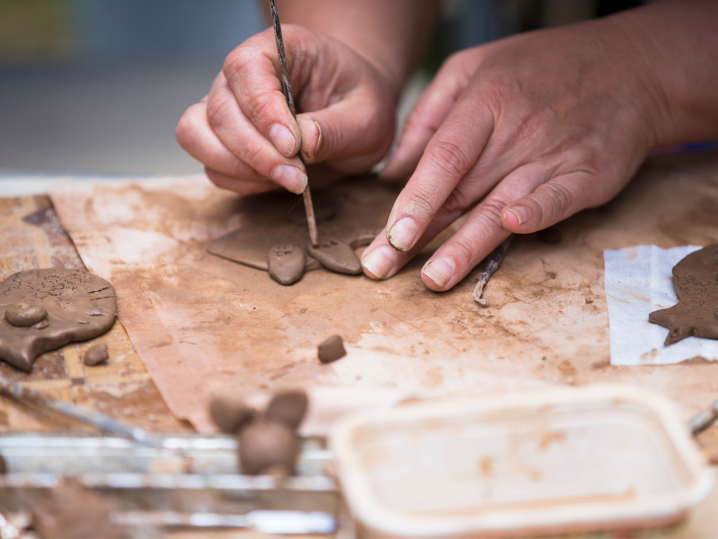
695 280
96 354
41 310
331 349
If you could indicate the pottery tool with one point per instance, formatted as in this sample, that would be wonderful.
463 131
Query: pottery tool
492 264
308 206
704 419
102 422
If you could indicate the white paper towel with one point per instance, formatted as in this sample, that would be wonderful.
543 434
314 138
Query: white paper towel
639 281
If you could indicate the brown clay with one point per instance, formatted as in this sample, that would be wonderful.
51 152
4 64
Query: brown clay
96 354
78 306
288 407
3 465
336 256
265 445
695 280
286 263
24 315
73 511
550 236
331 349
230 414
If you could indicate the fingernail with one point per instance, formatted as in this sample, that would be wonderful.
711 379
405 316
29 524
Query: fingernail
380 262
290 178
402 236
521 213
440 270
282 139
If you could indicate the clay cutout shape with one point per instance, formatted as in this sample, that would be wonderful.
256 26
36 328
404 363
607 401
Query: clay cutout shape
96 354
288 407
79 306
336 256
230 414
331 349
550 236
267 447
74 511
286 263
24 315
695 280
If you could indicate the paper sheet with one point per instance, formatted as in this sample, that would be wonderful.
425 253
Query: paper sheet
639 281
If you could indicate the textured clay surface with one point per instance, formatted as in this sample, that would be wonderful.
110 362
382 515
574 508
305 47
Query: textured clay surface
336 256
79 306
695 280
286 263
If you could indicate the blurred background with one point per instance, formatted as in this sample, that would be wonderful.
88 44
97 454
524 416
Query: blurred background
97 86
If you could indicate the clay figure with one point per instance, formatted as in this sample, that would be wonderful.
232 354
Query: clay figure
77 305
336 256
695 280
288 407
267 447
96 354
331 349
230 414
286 263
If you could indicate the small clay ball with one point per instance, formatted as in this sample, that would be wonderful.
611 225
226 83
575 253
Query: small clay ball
288 407
96 354
230 414
24 315
266 445
331 349
550 236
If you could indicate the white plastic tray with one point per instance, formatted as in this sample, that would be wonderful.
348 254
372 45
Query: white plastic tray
550 462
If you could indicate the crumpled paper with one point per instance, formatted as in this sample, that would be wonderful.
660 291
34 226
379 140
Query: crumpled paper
638 281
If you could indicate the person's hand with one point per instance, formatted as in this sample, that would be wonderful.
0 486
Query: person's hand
522 133
245 135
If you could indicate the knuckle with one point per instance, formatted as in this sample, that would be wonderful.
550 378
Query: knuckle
259 108
251 154
217 111
450 158
557 201
424 201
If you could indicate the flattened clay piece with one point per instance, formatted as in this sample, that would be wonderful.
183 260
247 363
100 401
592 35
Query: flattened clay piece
331 349
72 511
267 445
288 407
230 414
286 263
336 256
96 354
550 236
79 306
695 280
24 315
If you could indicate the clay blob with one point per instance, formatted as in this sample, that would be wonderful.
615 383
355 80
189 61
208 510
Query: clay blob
286 263
695 280
336 256
331 349
230 414
24 315
79 306
72 511
96 354
550 236
267 447
288 407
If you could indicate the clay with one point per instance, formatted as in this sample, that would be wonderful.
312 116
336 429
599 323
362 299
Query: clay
73 511
79 306
550 236
286 263
336 256
24 315
230 414
288 407
266 446
331 349
695 280
96 354
3 465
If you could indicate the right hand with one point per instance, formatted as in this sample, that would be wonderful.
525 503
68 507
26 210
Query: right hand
248 140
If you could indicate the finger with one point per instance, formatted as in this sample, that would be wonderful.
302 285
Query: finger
240 136
426 117
554 201
451 153
195 135
251 72
238 185
482 232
